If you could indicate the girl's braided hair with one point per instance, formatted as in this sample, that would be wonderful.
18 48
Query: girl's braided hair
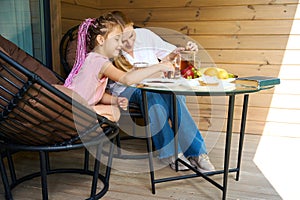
88 30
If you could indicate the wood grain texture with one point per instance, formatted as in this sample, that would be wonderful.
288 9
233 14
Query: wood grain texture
251 37
56 33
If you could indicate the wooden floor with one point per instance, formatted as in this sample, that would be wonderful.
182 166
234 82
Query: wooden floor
130 179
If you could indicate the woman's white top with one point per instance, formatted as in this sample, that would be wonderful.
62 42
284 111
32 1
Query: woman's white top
148 47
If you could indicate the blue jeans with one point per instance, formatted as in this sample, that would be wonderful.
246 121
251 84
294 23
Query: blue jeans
190 141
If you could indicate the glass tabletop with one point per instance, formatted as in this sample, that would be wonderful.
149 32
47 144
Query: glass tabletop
221 89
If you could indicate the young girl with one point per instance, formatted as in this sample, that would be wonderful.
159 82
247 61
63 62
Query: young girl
98 41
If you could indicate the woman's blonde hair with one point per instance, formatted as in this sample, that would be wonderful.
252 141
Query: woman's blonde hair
120 61
122 18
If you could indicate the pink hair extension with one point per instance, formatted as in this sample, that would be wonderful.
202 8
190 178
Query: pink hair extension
81 51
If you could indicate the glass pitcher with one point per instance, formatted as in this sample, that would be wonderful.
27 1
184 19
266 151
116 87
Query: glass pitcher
188 58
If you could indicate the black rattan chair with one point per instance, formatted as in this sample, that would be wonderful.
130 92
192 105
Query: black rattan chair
37 117
67 49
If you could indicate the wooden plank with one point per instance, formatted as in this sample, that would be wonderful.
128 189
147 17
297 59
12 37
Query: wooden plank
253 69
255 99
284 101
247 12
254 27
210 58
219 125
55 14
232 41
248 42
77 12
67 24
291 57
254 126
165 3
281 129
290 71
254 113
201 27
262 57
288 87
68 1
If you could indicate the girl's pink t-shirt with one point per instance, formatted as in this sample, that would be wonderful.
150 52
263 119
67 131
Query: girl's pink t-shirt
86 83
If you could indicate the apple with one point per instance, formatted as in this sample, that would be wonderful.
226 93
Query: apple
186 69
188 72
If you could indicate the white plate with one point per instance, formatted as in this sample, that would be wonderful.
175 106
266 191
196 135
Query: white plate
228 80
160 82
196 81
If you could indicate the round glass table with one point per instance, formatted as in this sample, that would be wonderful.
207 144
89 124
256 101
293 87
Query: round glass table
228 90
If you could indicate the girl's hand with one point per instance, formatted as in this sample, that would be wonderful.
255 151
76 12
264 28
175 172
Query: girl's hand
168 69
167 66
191 46
123 102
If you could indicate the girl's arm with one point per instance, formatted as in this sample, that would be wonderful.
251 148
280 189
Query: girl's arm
109 99
134 76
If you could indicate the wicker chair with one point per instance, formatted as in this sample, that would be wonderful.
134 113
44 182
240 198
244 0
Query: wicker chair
38 117
67 49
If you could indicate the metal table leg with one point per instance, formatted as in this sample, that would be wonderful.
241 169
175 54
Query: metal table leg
175 129
149 140
228 143
242 134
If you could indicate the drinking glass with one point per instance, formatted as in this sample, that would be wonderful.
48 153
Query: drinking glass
176 64
138 65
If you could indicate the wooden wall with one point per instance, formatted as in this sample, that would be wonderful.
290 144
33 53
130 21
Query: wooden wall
248 37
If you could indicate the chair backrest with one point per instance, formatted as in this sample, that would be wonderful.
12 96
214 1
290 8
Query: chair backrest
67 49
34 112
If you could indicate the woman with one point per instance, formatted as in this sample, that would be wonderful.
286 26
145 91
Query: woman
142 45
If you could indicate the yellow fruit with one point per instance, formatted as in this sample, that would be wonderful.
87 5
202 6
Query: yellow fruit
211 71
220 73
230 75
198 73
223 74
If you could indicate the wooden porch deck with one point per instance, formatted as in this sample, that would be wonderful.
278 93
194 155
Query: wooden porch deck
130 180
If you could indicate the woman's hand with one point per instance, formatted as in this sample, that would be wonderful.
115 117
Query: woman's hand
191 46
176 52
123 102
